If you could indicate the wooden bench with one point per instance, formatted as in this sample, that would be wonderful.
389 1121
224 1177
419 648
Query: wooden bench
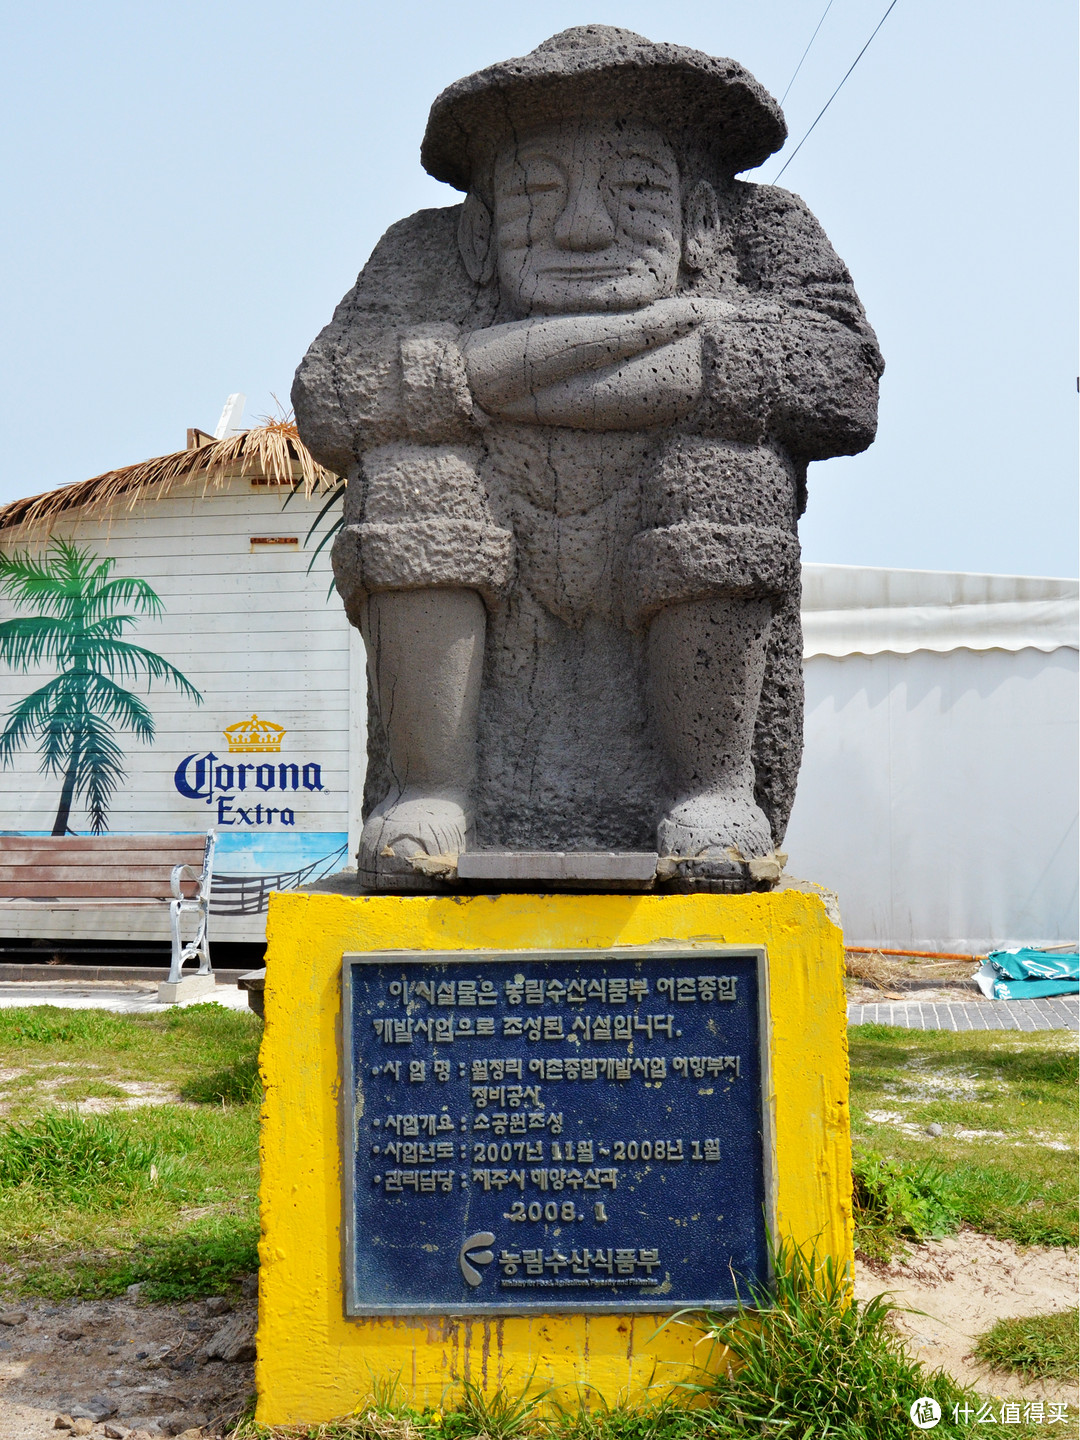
173 870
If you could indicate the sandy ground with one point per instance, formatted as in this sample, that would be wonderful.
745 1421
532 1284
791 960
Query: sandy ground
144 1362
139 1092
963 1284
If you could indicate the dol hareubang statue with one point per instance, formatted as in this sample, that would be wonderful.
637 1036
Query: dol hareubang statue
576 413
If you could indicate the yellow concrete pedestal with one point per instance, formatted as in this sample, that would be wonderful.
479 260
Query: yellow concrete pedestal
314 1363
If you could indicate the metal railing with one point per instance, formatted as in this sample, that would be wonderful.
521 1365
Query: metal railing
249 894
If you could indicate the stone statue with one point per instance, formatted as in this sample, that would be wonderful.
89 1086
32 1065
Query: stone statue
576 413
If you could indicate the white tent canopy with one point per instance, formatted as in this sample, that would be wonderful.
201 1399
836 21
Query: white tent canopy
850 610
938 795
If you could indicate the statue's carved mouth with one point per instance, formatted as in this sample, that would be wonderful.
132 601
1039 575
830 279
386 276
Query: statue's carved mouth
587 272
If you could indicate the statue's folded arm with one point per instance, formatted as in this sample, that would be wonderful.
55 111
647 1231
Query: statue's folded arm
800 363
387 367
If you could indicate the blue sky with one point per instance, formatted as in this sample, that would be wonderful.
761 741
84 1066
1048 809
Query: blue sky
189 189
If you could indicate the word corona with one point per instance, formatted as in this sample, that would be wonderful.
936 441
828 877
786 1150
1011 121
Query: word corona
221 783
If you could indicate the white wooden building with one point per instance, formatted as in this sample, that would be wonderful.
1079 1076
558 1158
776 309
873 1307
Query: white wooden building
273 756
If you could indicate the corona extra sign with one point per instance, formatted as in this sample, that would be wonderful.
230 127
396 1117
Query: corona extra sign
233 788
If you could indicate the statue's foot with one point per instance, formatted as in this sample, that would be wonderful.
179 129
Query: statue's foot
709 841
415 823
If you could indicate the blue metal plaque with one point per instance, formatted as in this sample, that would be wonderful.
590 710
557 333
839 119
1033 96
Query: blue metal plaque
561 1130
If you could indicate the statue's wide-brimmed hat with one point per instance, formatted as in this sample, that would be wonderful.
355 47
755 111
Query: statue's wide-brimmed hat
599 70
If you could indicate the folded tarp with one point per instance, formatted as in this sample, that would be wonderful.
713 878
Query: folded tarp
1028 974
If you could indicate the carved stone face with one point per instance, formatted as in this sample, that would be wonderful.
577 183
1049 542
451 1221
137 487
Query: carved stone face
587 217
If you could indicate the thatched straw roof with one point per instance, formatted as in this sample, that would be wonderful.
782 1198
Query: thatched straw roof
273 451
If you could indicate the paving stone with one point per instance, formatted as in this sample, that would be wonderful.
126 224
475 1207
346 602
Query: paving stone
1048 1013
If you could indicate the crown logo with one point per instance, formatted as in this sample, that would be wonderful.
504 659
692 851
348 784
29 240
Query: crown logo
254 736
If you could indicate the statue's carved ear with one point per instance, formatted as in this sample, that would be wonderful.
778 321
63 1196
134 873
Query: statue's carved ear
701 226
474 240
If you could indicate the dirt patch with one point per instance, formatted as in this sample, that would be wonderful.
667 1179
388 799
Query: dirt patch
917 992
896 1121
146 1363
63 1090
962 1285
138 1093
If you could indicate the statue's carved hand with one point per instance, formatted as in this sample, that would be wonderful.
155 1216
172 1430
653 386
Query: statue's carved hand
605 372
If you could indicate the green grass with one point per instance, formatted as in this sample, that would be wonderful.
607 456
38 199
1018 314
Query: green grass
236 1084
1005 1163
91 1160
891 1200
75 1090
204 1259
163 1194
48 1025
815 1364
501 1416
1040 1347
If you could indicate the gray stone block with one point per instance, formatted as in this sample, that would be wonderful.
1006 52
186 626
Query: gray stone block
557 868
235 1341
189 988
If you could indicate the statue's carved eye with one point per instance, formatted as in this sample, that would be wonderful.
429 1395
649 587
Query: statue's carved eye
531 175
643 187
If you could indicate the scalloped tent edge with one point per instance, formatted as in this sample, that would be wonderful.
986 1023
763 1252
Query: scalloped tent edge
864 610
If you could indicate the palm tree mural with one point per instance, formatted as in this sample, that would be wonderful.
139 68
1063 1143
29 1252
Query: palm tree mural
79 615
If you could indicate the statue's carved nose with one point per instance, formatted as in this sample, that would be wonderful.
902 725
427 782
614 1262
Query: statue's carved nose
586 223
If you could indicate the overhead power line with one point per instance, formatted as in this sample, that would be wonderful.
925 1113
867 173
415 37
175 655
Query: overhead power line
834 94
806 52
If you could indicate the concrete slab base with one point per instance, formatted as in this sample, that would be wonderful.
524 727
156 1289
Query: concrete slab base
595 870
188 988
131 998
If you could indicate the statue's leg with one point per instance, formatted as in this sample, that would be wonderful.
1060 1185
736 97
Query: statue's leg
778 734
706 666
425 659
